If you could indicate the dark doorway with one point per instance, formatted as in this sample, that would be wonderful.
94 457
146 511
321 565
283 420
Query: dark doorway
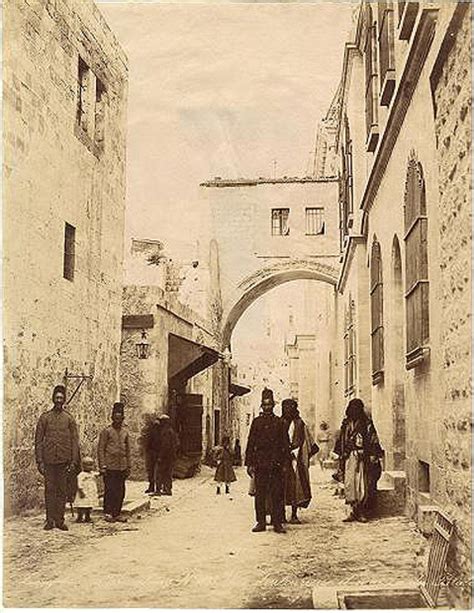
217 427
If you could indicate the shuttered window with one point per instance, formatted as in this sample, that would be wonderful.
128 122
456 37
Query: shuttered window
376 310
416 265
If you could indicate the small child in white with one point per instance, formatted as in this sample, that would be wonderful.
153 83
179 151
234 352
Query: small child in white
87 495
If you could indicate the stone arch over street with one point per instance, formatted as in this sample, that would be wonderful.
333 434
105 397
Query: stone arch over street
266 232
265 279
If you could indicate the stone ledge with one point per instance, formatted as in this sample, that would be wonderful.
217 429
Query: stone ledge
426 517
134 506
329 597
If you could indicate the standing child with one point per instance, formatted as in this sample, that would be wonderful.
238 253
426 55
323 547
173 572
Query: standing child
224 472
86 496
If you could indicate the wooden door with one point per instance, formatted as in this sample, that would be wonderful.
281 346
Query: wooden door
190 411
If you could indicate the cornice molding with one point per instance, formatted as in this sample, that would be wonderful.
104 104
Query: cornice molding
350 50
349 252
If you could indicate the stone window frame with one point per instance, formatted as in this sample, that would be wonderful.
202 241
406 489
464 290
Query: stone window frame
279 221
376 312
349 348
314 215
416 265
371 80
407 13
386 51
91 108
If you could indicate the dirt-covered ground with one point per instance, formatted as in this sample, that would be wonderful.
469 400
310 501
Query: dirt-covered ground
196 550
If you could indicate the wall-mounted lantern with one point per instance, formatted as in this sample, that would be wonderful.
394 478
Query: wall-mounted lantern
227 356
143 347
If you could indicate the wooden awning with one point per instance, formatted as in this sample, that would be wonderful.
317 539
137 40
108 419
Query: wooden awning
187 358
135 322
238 390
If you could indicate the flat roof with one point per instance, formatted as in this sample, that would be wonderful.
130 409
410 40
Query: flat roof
220 182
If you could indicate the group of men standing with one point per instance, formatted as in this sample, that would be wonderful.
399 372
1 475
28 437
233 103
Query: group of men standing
160 443
277 459
58 459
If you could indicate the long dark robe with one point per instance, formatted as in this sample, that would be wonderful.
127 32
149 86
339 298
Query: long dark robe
359 451
302 441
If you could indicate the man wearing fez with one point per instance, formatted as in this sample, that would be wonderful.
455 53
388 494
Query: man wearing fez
57 453
114 463
268 449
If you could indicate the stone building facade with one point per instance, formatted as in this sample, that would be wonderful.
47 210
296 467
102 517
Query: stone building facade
65 91
178 336
268 232
403 307
451 87
145 383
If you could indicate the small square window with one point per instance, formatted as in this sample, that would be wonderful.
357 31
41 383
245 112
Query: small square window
69 252
423 477
315 224
280 222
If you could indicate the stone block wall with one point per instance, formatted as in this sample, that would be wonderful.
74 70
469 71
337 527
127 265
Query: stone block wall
144 383
452 99
54 174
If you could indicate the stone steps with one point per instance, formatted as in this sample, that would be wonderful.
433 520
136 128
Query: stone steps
391 493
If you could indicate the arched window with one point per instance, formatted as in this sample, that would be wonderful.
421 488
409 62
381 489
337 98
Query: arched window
376 309
416 265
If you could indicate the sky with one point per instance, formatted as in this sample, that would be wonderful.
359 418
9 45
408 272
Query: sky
219 89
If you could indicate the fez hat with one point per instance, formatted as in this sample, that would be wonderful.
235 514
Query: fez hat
267 394
59 389
118 408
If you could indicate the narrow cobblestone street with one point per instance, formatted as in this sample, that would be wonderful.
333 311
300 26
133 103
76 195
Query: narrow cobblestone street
196 550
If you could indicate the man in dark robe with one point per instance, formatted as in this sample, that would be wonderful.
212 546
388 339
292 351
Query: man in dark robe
149 443
166 456
267 451
57 454
360 454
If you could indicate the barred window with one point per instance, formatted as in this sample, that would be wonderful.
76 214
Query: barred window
376 309
280 222
349 349
315 223
416 265
69 255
